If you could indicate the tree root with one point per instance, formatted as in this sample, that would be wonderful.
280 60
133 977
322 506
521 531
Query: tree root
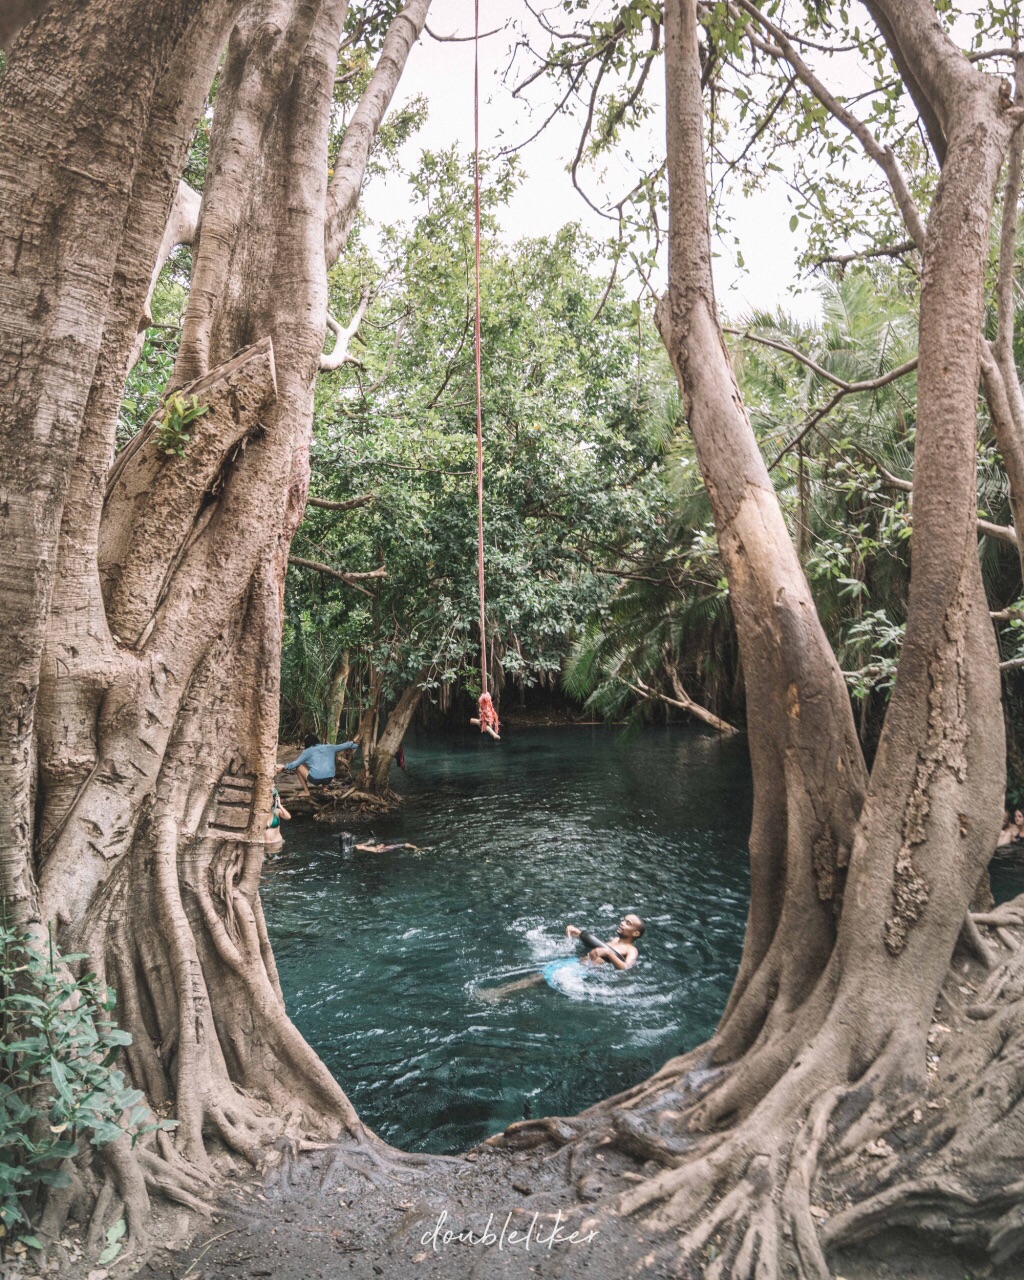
976 944
380 1164
772 1195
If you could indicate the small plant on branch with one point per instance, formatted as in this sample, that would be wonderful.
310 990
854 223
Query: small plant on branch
172 432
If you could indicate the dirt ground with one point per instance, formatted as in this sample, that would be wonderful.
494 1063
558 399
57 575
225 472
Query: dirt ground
315 1219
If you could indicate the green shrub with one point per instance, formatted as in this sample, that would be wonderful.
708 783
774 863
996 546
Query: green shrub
58 1082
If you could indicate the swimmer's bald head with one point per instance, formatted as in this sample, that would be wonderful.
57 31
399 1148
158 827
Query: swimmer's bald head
632 925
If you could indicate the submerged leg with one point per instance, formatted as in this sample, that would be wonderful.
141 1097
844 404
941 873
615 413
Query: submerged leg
496 993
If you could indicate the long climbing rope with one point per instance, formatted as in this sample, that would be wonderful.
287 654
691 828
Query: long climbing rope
487 716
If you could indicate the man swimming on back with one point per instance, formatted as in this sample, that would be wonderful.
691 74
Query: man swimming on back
621 952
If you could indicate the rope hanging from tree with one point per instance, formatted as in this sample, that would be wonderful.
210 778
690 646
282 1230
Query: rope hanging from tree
487 715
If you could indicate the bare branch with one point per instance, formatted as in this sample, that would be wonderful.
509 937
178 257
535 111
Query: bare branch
460 39
1001 532
389 363
349 504
846 387
348 578
883 156
844 259
350 166
761 129
1006 410
399 466
685 703
343 336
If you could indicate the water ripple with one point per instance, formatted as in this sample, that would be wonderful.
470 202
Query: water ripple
387 961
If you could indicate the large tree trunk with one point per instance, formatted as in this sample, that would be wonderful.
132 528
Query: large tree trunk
858 896
809 774
76 104
144 600
192 556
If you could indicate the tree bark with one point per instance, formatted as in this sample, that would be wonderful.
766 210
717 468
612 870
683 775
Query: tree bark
388 744
809 775
75 106
350 165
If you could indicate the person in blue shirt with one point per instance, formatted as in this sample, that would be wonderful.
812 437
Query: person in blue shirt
316 763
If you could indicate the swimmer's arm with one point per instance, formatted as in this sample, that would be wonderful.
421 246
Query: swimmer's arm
606 953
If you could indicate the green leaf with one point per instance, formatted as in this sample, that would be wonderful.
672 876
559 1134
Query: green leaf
116 1232
59 1077
109 1254
794 222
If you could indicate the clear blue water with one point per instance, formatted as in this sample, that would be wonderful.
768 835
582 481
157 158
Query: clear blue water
387 960
383 957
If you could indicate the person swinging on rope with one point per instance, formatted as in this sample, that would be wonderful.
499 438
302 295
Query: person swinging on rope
487 717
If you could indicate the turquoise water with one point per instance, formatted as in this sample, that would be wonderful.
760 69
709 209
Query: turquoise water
386 960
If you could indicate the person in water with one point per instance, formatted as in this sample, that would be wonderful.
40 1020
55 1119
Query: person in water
620 952
278 811
316 763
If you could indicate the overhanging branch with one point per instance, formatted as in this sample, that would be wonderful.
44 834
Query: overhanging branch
349 504
349 578
686 703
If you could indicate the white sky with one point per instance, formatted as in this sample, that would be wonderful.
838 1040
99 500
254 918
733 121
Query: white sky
546 200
